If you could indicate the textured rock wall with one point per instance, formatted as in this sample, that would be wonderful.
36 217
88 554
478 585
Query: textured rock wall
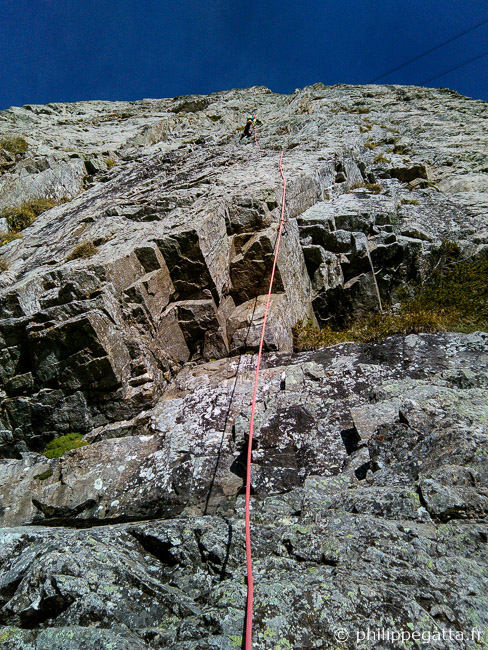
184 218
369 468
370 501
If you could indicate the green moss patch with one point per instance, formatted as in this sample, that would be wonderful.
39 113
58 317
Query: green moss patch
460 292
59 446
10 634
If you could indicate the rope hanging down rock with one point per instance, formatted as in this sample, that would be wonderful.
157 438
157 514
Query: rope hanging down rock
250 583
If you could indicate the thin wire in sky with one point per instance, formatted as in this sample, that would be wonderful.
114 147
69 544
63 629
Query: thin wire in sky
456 67
433 49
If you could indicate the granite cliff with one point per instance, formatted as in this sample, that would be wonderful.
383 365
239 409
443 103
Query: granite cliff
131 303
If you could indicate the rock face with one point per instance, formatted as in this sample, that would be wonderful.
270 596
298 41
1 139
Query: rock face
370 495
369 477
183 220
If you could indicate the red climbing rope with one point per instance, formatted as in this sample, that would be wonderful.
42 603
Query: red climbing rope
250 583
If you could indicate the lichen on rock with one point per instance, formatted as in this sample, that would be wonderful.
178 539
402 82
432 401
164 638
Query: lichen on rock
130 314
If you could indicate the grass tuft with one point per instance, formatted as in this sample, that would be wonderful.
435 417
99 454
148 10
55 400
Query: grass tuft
14 144
409 202
398 149
370 144
453 297
7 237
376 188
24 215
362 110
83 251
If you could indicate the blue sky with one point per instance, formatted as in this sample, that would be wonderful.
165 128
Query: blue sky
69 50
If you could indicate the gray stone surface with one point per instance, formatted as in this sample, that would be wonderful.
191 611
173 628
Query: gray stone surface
370 490
181 212
369 473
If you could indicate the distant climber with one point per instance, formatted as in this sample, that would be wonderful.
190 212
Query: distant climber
252 122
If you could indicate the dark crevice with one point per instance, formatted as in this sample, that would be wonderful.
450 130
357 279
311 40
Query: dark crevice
63 511
288 546
239 466
201 550
223 572
451 513
160 550
327 561
60 522
421 498
49 608
291 551
226 420
351 439
362 470
211 560
8 590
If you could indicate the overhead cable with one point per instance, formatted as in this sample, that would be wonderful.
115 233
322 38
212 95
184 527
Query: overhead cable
456 67
433 49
